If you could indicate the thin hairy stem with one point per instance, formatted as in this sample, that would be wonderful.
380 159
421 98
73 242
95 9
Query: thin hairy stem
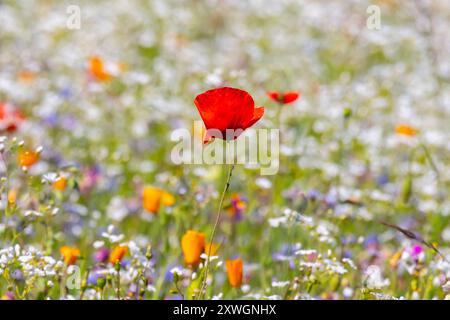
216 224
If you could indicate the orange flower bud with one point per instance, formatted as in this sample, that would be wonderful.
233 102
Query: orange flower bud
234 271
152 198
97 70
28 158
193 245
70 254
117 254
405 130
60 183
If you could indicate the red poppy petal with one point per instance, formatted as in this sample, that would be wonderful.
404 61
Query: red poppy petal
274 95
238 108
257 114
207 106
290 97
2 110
225 108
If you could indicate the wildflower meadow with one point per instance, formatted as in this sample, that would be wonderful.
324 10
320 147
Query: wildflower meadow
224 149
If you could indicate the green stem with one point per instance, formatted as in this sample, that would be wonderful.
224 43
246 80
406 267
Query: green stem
216 224
430 159
118 280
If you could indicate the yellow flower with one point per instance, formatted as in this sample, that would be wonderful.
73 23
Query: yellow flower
405 130
234 271
117 254
152 198
28 158
393 261
167 199
60 183
12 195
70 254
193 245
214 247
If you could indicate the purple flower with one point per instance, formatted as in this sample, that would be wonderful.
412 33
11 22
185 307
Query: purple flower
91 176
95 274
416 251
66 93
372 244
101 255
313 194
382 179
133 290
371 241
330 200
17 274
9 295
174 297
348 239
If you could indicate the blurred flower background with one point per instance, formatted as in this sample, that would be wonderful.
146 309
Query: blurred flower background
93 208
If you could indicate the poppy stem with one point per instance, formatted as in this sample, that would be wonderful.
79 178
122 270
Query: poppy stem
278 116
216 224
276 177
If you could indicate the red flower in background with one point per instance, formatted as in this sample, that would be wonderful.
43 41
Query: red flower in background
227 108
10 118
284 98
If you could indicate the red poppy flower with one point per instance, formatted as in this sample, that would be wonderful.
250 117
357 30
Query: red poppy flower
10 118
227 108
283 98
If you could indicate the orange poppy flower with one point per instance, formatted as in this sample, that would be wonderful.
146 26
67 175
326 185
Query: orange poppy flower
193 245
284 98
28 158
227 108
405 130
153 197
70 254
234 271
97 69
26 76
60 183
117 254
